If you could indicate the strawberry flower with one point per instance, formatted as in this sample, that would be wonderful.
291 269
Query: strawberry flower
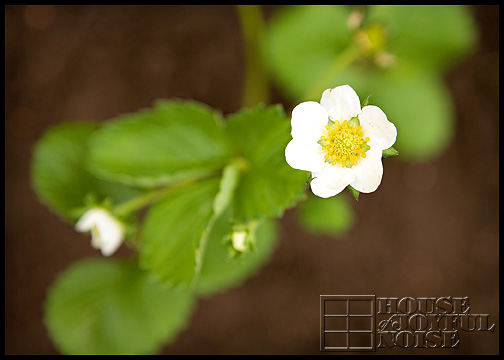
107 233
340 143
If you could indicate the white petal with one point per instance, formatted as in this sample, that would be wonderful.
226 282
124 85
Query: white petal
111 234
304 157
331 180
110 248
368 172
381 132
342 103
106 231
89 219
308 122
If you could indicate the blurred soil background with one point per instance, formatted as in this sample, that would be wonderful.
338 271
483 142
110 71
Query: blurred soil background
431 229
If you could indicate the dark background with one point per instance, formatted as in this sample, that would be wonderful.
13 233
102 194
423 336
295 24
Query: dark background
431 229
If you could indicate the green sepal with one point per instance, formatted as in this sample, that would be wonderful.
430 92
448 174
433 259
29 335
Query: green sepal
365 102
355 193
309 179
354 122
390 152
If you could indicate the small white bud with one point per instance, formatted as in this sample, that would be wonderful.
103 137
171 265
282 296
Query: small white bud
239 240
107 233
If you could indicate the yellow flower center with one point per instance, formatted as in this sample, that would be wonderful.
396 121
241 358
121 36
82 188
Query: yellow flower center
344 143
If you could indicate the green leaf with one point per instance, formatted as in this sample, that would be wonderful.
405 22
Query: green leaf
174 140
421 108
301 42
390 152
418 103
173 229
332 216
422 111
59 176
57 170
268 185
110 307
219 272
221 202
426 36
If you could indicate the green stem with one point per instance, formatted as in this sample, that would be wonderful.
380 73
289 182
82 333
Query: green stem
256 82
347 57
150 197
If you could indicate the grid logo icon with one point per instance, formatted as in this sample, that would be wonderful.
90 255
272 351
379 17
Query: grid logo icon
347 323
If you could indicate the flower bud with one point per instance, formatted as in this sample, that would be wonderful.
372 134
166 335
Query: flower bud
239 240
107 233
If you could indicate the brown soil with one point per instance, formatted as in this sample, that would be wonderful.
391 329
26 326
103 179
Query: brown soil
431 230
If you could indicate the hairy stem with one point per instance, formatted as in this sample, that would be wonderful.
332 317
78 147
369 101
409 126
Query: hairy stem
347 57
151 197
256 82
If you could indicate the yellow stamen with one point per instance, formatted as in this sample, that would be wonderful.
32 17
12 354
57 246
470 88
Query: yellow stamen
343 144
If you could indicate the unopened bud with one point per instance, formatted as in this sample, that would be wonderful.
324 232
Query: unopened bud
239 240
